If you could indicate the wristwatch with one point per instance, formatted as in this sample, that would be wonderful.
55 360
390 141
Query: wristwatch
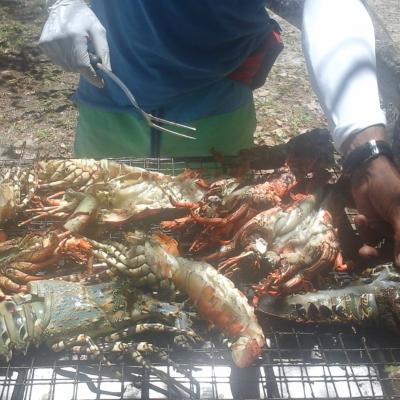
365 153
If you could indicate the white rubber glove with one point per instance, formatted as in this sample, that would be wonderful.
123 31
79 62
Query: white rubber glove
70 26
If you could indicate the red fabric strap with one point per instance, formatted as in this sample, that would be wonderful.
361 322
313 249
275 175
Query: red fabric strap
250 67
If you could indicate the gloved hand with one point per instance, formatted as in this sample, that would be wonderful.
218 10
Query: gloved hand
70 26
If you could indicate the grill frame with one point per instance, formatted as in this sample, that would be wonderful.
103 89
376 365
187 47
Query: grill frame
301 362
346 364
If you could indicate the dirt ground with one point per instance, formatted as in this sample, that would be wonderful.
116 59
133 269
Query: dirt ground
38 117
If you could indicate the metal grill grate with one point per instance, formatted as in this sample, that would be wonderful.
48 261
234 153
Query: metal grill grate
300 363
171 166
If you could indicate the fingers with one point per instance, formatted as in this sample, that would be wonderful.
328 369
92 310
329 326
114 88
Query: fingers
369 235
80 61
71 54
367 251
98 37
372 232
55 50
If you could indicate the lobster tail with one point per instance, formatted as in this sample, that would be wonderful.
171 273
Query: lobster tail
245 350
325 306
367 301
215 297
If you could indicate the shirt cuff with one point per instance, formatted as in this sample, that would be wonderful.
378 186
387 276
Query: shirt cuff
346 129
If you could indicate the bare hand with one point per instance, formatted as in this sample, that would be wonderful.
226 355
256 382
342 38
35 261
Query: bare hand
376 192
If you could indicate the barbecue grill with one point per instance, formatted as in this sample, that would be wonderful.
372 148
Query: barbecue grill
301 362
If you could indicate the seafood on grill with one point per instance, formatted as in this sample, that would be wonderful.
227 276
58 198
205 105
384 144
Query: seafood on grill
127 194
261 195
309 252
125 260
27 258
77 174
17 186
142 194
225 196
210 207
288 244
91 320
79 209
373 299
214 296
309 152
228 205
150 260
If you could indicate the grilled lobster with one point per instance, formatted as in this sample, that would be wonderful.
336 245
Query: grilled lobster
89 319
371 300
148 258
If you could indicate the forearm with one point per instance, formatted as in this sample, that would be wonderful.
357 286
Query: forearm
339 46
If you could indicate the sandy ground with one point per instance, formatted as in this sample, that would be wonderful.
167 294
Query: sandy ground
389 11
37 115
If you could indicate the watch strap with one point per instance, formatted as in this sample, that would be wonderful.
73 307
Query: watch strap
365 153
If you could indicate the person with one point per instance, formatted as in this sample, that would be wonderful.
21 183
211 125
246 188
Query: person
195 62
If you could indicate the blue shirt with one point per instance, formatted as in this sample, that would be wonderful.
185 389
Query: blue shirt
171 52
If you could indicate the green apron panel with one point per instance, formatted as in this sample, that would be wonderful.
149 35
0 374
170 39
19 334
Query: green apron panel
101 134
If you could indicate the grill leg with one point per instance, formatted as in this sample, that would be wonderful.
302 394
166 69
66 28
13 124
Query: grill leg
19 389
245 382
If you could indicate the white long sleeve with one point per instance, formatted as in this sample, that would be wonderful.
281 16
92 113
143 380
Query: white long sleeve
339 46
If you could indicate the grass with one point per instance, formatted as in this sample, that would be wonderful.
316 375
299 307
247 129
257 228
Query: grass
300 119
35 93
20 27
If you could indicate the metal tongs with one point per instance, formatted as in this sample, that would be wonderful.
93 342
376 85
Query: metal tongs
151 120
